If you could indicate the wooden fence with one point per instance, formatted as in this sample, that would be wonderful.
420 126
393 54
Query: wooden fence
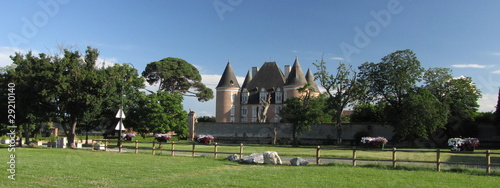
355 158
487 160
157 147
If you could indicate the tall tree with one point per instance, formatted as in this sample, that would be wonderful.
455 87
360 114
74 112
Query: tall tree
393 81
31 76
393 78
66 89
158 113
459 94
342 89
303 112
176 75
421 114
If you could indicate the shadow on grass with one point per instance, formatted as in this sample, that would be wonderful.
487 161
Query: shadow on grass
460 170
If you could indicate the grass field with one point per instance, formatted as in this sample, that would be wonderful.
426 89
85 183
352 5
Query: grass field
40 167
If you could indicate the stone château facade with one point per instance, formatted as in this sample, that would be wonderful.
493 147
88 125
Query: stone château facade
261 96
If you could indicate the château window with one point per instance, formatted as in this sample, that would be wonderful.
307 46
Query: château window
233 96
244 96
232 110
244 111
263 95
254 111
279 96
277 110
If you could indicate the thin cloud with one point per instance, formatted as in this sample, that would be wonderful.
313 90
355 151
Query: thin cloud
469 66
496 72
337 58
496 53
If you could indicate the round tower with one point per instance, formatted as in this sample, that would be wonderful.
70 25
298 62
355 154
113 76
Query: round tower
227 97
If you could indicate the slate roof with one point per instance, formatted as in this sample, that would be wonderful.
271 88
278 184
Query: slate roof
248 78
296 77
270 77
228 78
310 79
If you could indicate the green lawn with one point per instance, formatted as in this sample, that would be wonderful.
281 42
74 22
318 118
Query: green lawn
38 167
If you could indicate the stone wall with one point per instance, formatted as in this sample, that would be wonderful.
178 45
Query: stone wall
281 133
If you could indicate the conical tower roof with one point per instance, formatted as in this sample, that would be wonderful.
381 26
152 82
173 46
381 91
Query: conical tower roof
310 79
248 78
228 78
296 76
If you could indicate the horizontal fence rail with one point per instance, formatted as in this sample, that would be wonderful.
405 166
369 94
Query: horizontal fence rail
159 146
487 157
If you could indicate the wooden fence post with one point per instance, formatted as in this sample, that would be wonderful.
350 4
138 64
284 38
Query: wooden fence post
318 155
241 150
136 147
215 150
488 161
394 157
120 146
438 160
153 151
173 148
105 145
193 149
354 156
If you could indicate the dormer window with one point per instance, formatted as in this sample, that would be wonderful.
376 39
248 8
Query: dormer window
244 96
263 95
278 96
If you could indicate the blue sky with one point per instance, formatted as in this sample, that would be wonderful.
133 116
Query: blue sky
461 35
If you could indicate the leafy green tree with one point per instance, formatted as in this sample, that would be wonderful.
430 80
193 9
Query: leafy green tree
461 94
31 76
69 90
368 112
206 119
158 113
393 78
175 75
393 81
303 112
422 114
342 89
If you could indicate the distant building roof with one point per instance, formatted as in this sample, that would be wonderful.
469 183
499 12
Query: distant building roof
296 76
228 78
310 79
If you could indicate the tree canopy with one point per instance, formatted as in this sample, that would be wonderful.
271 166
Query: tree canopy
415 111
342 89
176 75
303 112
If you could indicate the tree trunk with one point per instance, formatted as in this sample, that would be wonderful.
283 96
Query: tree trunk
339 127
70 133
72 136
27 135
294 136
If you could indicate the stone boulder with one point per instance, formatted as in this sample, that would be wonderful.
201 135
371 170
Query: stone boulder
272 157
233 157
254 158
297 161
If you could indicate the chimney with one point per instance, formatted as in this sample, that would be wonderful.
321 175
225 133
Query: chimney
254 71
287 70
